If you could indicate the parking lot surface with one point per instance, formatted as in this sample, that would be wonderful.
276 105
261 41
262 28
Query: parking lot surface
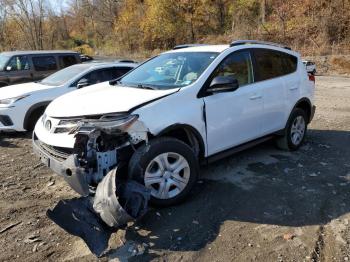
262 204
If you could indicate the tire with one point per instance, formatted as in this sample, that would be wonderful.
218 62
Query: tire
153 165
295 131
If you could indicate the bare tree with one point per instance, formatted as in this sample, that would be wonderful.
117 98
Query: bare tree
29 15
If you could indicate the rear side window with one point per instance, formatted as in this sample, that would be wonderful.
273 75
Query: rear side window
44 63
18 63
67 60
271 64
290 63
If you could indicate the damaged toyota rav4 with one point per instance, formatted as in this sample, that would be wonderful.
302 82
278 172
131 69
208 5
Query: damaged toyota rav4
185 107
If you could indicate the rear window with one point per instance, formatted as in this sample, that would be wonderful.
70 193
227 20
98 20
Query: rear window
67 60
44 63
271 64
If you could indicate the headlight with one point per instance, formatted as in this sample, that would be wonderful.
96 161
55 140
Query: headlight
108 123
9 101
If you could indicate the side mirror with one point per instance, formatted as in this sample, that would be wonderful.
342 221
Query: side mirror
223 84
82 83
8 68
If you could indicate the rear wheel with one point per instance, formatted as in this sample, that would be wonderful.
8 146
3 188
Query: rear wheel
295 131
168 167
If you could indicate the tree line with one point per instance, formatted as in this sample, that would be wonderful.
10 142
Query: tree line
119 27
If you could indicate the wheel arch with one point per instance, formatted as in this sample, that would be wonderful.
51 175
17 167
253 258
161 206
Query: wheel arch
304 104
187 134
31 110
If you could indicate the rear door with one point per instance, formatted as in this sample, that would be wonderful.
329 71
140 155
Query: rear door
18 70
291 81
270 68
235 117
44 65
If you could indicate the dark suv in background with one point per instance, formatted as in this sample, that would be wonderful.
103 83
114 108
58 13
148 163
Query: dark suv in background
28 66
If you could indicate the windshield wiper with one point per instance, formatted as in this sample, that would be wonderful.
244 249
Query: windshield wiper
146 87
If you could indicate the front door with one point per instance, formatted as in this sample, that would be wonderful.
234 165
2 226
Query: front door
234 117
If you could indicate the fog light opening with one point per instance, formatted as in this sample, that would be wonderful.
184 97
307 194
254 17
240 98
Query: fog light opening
69 172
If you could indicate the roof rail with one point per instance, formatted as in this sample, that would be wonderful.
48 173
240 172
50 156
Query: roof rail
187 45
256 42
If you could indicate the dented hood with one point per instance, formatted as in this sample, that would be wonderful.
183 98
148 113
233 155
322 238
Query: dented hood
102 99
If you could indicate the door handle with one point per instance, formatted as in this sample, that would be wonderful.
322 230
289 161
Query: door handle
293 88
254 97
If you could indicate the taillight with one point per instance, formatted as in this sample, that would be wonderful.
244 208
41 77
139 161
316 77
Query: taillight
312 77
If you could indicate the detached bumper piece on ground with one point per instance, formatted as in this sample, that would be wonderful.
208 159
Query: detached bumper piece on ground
95 218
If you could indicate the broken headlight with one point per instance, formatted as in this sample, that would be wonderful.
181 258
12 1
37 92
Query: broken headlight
107 123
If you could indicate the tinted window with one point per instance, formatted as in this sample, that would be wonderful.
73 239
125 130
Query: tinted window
98 76
290 63
67 60
18 63
120 71
269 63
238 65
44 63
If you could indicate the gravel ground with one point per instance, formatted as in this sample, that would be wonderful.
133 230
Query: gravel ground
259 205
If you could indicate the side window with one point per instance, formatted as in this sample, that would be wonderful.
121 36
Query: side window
93 77
108 74
269 63
19 63
290 63
67 60
120 71
238 65
44 63
103 75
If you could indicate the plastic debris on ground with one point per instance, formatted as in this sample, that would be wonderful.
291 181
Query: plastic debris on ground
95 218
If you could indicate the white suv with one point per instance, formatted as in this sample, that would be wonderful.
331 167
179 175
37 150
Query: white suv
180 109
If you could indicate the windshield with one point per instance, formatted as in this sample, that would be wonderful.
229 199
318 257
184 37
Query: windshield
171 70
3 61
63 76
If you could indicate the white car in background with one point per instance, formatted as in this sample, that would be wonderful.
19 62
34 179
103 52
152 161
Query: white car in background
310 67
22 105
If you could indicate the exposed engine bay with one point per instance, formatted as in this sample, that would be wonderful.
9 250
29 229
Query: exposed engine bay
100 146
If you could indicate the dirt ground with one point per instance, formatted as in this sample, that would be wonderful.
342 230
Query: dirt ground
259 205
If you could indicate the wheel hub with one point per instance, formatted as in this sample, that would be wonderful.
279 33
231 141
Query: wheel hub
167 175
298 130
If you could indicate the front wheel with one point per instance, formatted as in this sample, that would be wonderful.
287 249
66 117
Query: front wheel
295 131
168 167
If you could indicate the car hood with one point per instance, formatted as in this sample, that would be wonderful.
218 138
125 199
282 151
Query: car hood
102 99
21 89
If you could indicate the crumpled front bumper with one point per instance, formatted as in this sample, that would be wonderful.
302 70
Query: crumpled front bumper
63 165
